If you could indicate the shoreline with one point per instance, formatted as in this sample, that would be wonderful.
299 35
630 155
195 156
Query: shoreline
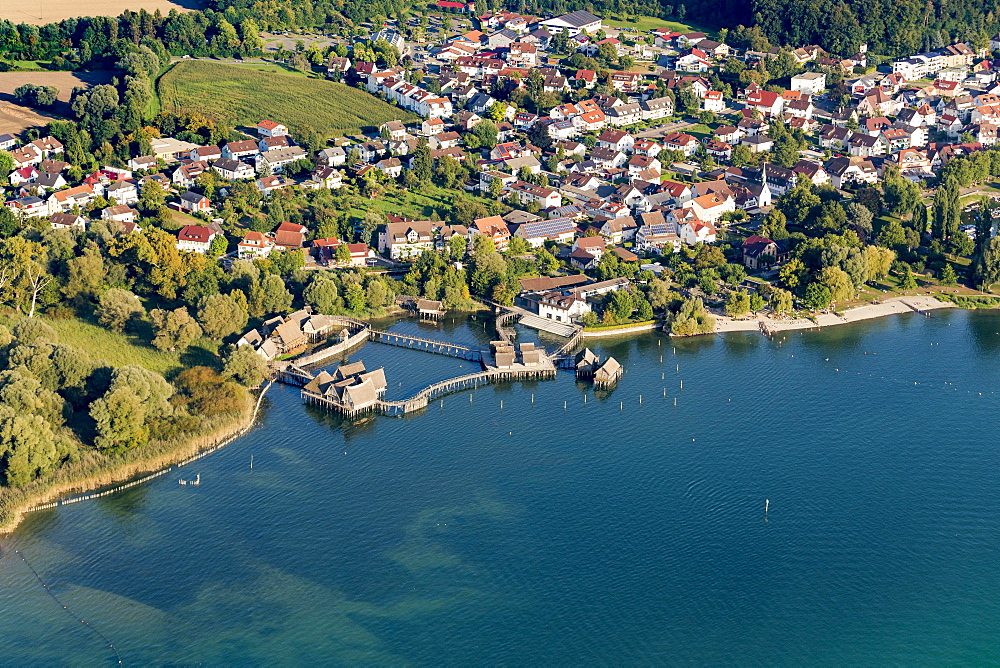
197 447
891 306
623 330
152 467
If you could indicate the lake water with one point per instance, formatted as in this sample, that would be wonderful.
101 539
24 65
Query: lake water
605 532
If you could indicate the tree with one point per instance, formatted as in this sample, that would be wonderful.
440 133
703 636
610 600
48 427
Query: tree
343 254
660 294
370 224
793 273
25 395
458 245
879 262
919 220
901 195
31 95
36 279
422 164
621 305
947 210
153 197
354 294
117 307
245 366
799 202
220 315
150 388
174 329
27 448
275 297
85 273
322 294
907 280
860 217
781 301
218 246
892 235
692 318
738 303
773 226
120 419
986 270
817 296
948 275
838 282
6 162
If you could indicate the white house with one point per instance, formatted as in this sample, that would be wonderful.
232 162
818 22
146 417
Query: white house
195 238
573 23
406 239
271 129
562 307
697 232
810 83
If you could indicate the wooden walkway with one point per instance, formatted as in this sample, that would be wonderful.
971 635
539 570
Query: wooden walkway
458 350
293 375
565 350
503 324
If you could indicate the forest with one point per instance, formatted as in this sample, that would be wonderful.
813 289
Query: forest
231 27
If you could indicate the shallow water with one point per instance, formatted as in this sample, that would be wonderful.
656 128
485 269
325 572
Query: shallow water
606 532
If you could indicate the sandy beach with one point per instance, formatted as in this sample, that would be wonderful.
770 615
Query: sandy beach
914 304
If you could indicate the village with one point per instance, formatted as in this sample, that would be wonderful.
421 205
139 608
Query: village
638 164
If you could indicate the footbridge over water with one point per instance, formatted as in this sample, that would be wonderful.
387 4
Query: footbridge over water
458 350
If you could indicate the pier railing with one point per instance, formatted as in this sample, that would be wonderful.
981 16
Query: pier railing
570 345
458 350
503 324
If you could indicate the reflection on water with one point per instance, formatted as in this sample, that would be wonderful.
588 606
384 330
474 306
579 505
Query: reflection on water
610 531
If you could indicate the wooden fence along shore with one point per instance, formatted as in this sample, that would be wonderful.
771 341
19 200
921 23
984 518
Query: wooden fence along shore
358 332
203 453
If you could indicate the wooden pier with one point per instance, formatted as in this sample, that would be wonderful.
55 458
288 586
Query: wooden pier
564 352
458 350
503 323
534 366
293 375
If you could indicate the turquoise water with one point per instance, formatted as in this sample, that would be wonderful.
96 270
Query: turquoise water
608 532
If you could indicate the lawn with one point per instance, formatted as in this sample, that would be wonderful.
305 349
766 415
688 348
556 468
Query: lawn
701 131
125 349
416 205
179 219
646 23
241 95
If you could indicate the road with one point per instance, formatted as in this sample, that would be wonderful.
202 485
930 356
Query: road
675 126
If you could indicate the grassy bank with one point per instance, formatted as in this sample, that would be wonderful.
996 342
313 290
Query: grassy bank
238 95
120 349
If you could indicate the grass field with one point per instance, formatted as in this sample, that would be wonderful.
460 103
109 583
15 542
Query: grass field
416 205
646 23
39 12
238 95
124 349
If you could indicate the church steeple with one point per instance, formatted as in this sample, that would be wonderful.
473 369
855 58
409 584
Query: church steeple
765 197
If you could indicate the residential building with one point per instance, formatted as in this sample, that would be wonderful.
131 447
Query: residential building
195 238
406 240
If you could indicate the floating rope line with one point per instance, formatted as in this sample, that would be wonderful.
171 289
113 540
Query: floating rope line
66 608
938 385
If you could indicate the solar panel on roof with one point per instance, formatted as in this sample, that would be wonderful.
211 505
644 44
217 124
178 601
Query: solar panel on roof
548 228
